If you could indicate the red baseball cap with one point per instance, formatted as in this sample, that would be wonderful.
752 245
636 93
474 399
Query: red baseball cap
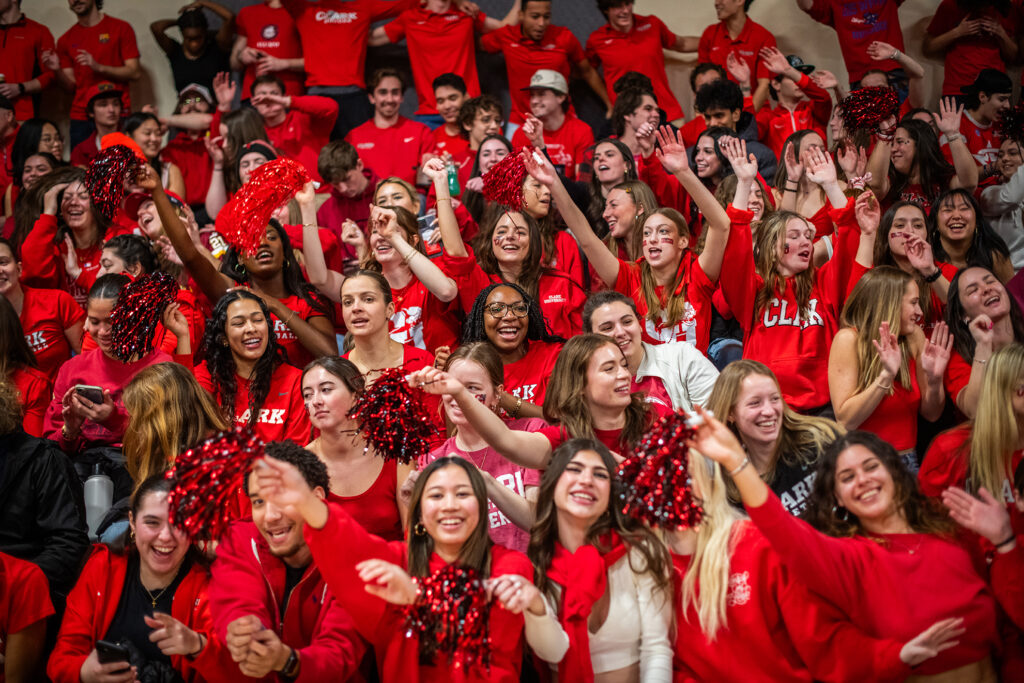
133 201
102 89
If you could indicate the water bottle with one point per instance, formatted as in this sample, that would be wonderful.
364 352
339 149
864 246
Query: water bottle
99 496
453 179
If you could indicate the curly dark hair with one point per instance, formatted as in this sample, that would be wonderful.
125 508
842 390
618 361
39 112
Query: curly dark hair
634 534
312 468
959 322
291 274
923 514
221 363
986 242
473 329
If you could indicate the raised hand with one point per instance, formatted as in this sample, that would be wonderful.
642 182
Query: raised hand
214 147
936 352
940 636
273 98
147 178
919 253
388 582
983 515
738 68
352 234
981 329
887 346
282 484
307 195
824 79
794 169
539 167
852 159
174 320
383 222
868 212
436 170
774 60
645 138
716 441
50 198
434 381
515 593
743 165
820 169
71 266
878 51
224 89
533 129
671 150
948 119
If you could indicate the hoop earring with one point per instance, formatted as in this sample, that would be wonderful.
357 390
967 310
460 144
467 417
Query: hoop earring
131 536
837 509
241 270
419 529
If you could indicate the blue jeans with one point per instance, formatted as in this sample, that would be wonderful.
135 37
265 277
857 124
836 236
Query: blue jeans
724 350
432 121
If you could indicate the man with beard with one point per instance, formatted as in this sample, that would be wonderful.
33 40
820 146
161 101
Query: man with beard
268 599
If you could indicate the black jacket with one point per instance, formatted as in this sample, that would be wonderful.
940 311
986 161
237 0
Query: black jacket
42 512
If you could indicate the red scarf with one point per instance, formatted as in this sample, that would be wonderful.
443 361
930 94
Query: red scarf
583 576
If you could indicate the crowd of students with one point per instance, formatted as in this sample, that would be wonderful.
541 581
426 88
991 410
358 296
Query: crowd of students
842 308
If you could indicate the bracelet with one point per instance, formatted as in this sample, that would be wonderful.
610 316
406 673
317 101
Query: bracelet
978 360
515 411
895 54
202 644
412 252
885 388
950 139
739 468
1008 541
288 320
934 276
21 88
442 199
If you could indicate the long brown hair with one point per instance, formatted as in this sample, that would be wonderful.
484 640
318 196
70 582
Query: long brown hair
634 534
532 267
646 203
766 259
408 224
876 298
564 402
672 302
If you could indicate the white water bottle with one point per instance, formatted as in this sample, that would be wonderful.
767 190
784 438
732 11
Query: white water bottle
99 496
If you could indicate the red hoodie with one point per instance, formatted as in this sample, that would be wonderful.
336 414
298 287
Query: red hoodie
775 629
796 350
382 623
305 130
92 605
248 580
775 124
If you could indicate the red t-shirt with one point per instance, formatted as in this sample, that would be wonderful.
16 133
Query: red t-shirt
966 57
189 154
566 146
439 42
716 45
983 141
21 52
421 319
283 414
305 130
24 597
453 144
45 314
270 30
946 464
85 151
654 391
297 353
858 24
110 42
34 390
558 50
376 508
776 124
327 26
43 260
393 151
527 378
620 52
895 417
695 327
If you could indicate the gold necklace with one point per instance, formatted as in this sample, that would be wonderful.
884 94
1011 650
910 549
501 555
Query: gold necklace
156 597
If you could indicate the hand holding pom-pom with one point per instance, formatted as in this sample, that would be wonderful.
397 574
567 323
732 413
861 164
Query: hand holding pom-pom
139 308
867 108
451 617
106 177
392 419
243 220
503 184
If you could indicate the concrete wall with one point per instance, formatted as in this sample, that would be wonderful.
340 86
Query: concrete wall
794 30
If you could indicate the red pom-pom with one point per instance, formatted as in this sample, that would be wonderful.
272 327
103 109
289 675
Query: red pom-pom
656 479
503 184
392 419
1011 124
205 481
243 220
106 176
867 108
452 617
139 308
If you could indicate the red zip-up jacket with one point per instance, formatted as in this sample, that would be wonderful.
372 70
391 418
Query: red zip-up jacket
561 299
248 580
775 124
776 630
92 605
797 350
383 624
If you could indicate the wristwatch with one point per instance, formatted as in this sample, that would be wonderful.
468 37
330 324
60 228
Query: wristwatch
290 670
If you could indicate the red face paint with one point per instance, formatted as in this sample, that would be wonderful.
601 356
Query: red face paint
785 248
667 240
480 397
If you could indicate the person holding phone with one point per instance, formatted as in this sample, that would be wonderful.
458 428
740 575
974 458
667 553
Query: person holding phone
143 614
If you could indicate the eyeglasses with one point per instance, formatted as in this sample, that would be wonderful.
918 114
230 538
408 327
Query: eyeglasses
192 100
498 310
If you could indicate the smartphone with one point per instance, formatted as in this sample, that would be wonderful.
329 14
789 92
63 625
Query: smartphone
90 392
107 652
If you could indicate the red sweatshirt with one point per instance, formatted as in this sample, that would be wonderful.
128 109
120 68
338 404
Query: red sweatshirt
561 298
43 261
797 350
892 586
305 130
775 629
283 414
92 605
97 369
35 390
382 623
946 464
775 124
1007 580
24 597
527 378
249 580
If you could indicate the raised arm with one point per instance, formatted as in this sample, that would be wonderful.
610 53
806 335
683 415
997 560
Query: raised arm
511 17
880 51
794 173
527 449
320 276
447 223
159 30
932 361
878 162
604 262
384 222
948 122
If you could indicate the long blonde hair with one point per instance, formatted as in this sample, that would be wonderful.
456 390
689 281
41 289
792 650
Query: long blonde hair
674 304
709 569
646 203
802 438
168 413
877 298
770 233
995 432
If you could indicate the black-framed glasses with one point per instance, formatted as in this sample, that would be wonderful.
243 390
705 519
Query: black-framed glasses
520 309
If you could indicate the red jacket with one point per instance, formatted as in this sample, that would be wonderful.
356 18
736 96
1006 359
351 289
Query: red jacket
776 630
775 124
797 350
247 579
92 605
382 623
305 130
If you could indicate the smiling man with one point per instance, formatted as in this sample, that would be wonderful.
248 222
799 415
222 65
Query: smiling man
267 598
389 143
565 137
